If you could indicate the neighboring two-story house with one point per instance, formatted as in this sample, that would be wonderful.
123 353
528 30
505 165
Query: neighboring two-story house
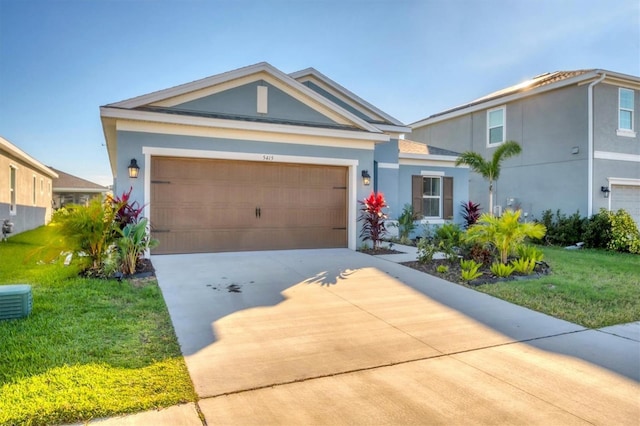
579 136
25 198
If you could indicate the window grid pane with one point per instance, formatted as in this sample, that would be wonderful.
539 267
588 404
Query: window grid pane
431 196
625 120
626 99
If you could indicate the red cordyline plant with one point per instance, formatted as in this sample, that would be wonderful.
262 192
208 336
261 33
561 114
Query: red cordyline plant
126 212
373 218
470 213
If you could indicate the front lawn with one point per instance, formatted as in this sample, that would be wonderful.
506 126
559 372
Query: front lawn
593 288
90 348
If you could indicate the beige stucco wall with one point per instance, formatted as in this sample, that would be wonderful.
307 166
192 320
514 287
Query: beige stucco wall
25 174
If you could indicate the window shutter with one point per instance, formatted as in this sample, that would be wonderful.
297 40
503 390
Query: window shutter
416 196
447 197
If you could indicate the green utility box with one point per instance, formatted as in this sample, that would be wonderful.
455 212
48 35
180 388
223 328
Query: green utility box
16 301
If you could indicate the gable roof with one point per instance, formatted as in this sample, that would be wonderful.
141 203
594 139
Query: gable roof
159 107
70 183
536 85
13 150
376 115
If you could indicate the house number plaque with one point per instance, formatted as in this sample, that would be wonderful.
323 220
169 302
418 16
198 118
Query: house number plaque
267 157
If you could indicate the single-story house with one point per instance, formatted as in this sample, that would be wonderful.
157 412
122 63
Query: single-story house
579 136
256 159
70 189
25 198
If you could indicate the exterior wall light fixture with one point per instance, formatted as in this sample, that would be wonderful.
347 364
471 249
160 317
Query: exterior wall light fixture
134 169
366 178
605 191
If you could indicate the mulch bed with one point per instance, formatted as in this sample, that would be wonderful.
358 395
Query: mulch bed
454 272
381 250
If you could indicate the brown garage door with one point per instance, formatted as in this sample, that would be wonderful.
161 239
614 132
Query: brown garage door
202 205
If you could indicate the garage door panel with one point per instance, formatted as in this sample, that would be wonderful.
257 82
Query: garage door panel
202 205
626 197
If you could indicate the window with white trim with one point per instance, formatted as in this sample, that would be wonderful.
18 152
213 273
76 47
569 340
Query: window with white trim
432 196
496 128
34 190
625 112
12 190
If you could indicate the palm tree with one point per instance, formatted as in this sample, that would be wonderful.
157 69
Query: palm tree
490 170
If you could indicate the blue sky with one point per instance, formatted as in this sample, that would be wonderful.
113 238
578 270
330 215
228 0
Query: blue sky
61 59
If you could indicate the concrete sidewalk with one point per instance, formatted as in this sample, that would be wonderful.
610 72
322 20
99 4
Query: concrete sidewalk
338 337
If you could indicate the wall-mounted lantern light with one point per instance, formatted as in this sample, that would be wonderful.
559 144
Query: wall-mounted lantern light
605 191
133 168
366 178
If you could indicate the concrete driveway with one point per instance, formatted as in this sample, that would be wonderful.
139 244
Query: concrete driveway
339 337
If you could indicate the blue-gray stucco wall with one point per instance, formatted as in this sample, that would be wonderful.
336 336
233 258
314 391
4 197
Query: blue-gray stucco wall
242 101
460 186
336 100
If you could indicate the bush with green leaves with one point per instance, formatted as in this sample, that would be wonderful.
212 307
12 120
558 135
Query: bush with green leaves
501 270
447 238
426 250
503 233
597 233
523 266
134 241
406 223
529 252
563 230
625 236
470 270
442 269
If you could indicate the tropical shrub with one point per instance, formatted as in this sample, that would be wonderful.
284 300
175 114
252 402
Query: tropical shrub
470 270
126 212
504 233
470 213
501 270
426 250
133 242
523 266
479 253
529 252
448 238
88 229
406 224
373 217
442 269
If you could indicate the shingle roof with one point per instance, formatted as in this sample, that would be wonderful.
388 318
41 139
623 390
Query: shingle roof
69 182
411 147
179 111
533 83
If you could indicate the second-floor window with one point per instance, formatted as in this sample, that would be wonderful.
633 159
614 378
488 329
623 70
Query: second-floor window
496 126
625 111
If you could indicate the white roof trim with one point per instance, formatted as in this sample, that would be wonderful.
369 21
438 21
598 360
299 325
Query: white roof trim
80 190
393 129
7 146
429 157
583 78
345 92
236 74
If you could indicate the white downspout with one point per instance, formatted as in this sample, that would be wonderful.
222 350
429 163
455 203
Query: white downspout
590 142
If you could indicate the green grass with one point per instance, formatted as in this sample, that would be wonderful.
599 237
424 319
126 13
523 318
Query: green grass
90 348
593 288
